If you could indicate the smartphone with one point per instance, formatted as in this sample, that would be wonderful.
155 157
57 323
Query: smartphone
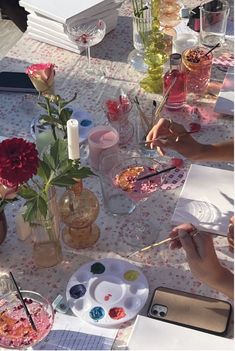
17 82
190 310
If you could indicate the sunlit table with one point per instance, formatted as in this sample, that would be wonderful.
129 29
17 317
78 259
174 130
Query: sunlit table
162 267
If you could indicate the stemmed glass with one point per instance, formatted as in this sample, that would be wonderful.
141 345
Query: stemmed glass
124 175
86 35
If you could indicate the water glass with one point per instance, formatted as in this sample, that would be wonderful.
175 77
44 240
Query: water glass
213 22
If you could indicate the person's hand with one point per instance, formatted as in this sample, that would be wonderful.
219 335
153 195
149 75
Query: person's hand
200 252
174 138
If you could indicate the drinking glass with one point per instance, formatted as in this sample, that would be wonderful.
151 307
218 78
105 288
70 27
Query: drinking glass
86 35
213 22
142 27
169 16
197 65
138 232
16 330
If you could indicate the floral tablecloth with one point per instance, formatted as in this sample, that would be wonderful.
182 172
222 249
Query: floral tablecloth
162 267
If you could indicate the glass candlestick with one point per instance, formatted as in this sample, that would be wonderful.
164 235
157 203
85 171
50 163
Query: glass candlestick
79 209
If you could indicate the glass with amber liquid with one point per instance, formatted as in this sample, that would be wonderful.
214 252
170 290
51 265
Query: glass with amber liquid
177 95
196 63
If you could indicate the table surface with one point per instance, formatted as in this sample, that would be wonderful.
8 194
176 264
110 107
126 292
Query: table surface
161 266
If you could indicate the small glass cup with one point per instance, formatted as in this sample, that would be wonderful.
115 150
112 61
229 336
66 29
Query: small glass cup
213 22
197 65
16 330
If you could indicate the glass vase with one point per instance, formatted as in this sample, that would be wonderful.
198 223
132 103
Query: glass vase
47 250
3 226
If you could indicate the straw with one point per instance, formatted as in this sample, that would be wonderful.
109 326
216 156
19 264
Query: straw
214 47
155 173
23 303
162 103
151 246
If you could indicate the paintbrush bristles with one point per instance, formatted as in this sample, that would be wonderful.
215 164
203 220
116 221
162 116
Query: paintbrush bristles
153 245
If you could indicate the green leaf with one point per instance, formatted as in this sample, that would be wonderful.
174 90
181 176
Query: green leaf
63 181
50 120
44 170
42 105
63 103
26 192
48 159
80 173
59 152
65 115
42 206
31 210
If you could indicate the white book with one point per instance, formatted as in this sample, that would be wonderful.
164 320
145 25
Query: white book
152 334
225 101
206 199
66 11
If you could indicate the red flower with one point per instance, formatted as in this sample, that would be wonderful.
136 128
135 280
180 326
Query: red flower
18 161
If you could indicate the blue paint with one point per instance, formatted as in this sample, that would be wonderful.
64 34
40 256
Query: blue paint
97 313
77 291
85 123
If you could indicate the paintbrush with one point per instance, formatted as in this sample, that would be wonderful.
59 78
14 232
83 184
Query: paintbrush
142 115
152 246
162 103
155 173
23 303
165 137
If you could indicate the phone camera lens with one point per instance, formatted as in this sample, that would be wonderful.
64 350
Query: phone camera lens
162 314
154 312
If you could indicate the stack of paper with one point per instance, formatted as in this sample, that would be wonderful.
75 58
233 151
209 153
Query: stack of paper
152 334
47 20
206 199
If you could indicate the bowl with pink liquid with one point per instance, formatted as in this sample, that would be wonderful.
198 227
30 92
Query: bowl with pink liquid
16 331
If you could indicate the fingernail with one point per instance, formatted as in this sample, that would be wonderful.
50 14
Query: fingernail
182 233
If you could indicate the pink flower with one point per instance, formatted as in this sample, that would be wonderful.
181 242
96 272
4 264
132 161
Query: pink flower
7 193
42 76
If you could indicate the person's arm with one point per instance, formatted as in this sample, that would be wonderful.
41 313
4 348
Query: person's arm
202 259
176 138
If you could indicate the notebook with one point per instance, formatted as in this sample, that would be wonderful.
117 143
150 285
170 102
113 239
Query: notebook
206 199
225 101
152 334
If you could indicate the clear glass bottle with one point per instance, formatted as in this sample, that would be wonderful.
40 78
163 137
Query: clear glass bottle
177 95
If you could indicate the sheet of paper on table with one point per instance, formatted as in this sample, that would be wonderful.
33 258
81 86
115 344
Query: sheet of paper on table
225 100
206 199
152 334
71 333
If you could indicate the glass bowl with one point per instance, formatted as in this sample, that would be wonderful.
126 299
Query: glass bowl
16 331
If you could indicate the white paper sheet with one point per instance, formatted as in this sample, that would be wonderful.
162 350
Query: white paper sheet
71 333
225 100
206 199
151 334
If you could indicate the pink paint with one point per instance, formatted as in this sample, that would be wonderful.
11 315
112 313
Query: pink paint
102 140
107 297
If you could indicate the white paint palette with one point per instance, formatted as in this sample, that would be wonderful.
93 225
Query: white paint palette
107 292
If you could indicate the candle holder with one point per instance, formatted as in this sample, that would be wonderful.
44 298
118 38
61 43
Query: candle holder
79 209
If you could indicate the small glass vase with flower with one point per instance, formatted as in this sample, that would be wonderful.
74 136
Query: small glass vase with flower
34 179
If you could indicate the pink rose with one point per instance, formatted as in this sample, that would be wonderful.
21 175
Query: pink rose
42 76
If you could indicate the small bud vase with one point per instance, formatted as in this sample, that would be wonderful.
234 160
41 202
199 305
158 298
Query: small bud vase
47 250
3 226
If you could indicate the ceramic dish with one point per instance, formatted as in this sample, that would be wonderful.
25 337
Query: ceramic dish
107 292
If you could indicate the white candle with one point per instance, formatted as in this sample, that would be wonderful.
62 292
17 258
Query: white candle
73 139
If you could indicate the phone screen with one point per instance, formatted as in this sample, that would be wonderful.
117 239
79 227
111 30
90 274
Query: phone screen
18 82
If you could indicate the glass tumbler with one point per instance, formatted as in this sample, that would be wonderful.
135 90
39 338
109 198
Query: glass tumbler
197 65
213 22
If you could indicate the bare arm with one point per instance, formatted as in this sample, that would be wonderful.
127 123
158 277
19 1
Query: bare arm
186 145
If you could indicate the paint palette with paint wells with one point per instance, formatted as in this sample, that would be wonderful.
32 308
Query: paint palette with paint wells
107 292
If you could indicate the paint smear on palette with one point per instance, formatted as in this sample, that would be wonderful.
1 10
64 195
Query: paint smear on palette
97 313
77 291
107 297
131 275
97 268
117 313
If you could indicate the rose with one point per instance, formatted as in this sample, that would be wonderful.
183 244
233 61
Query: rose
42 76
7 193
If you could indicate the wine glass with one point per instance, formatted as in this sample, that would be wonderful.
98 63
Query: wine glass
169 16
124 174
86 35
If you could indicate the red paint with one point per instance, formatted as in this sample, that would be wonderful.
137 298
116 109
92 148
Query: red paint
107 297
117 313
177 162
194 127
